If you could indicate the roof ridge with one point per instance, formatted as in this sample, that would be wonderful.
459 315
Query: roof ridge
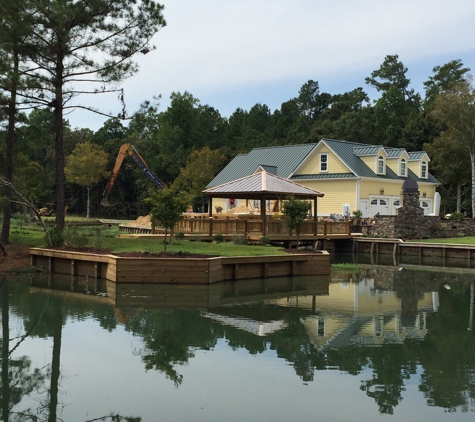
284 146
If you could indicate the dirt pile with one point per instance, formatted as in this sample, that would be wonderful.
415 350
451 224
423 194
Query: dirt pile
143 221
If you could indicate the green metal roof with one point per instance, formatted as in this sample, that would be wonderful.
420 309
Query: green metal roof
394 152
417 155
366 150
283 159
323 176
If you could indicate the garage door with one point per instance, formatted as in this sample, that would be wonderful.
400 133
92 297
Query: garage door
426 205
379 205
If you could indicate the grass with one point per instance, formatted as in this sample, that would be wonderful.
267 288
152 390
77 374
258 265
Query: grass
468 240
105 238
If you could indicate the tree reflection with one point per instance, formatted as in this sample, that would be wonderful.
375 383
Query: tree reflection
170 337
18 378
448 380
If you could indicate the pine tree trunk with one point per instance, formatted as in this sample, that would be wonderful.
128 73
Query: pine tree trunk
88 203
459 197
472 161
7 211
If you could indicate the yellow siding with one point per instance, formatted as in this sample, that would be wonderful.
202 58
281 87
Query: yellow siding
337 193
312 166
415 166
370 162
393 164
373 187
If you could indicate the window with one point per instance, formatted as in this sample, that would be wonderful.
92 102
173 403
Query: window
323 162
380 164
424 170
403 168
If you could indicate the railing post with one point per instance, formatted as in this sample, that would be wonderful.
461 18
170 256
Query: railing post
245 227
211 226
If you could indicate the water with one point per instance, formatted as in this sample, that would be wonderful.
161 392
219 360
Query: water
389 343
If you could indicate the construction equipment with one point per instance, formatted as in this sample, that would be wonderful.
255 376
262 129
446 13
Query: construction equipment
132 152
46 212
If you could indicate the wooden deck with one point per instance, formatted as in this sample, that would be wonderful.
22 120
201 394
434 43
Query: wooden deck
204 228
179 270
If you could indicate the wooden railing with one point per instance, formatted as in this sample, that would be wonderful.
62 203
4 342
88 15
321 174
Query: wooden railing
211 226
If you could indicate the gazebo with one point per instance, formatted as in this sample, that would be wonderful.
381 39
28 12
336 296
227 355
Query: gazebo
262 186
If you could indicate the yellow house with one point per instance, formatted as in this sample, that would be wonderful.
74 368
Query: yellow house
353 176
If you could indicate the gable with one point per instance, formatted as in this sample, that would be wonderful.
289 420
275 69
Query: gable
312 164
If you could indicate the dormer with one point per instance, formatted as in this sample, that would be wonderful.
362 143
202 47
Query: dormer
373 156
397 161
419 164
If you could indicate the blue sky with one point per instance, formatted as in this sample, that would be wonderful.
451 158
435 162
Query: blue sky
236 53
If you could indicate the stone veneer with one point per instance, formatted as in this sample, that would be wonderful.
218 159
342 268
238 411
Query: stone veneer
411 223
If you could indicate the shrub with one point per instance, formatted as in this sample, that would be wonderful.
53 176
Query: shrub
179 235
461 234
218 238
264 241
239 239
57 237
457 216
357 214
425 236
73 239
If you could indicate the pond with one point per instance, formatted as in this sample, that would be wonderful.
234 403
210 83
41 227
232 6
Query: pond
388 341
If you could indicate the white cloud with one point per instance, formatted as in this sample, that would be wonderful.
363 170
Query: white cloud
214 47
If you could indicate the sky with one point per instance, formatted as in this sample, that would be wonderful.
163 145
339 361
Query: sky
233 54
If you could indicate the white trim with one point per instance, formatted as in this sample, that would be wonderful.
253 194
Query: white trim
378 156
320 156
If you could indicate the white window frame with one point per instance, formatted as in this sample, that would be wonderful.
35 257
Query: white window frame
323 163
424 169
403 168
380 165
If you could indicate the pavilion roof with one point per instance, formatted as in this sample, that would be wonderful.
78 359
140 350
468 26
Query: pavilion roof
260 184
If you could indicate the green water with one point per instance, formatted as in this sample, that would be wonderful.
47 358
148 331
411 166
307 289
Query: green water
389 343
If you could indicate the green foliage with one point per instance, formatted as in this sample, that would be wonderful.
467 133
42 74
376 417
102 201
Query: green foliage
264 241
457 216
239 239
75 239
179 235
218 238
295 211
167 208
461 234
357 214
57 237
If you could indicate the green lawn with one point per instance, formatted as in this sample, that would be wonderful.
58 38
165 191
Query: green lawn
106 238
468 240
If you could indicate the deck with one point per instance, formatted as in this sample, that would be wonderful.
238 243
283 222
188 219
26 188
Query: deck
205 228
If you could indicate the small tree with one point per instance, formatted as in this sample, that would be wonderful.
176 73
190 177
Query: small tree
295 211
25 202
86 166
168 207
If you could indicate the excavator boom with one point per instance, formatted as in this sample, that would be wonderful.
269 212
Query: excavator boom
133 153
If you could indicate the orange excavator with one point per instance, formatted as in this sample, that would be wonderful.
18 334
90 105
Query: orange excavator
132 152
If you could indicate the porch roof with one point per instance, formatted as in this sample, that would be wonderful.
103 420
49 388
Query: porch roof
259 185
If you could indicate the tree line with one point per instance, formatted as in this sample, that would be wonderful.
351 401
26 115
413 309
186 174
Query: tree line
49 60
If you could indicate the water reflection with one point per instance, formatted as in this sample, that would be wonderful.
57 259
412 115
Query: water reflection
388 327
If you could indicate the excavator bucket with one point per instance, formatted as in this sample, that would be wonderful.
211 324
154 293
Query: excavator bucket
105 203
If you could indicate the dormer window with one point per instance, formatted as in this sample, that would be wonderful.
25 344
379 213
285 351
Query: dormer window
381 165
323 162
402 171
424 170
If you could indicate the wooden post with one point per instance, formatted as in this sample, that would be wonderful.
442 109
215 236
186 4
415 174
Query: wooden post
263 215
211 226
210 208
